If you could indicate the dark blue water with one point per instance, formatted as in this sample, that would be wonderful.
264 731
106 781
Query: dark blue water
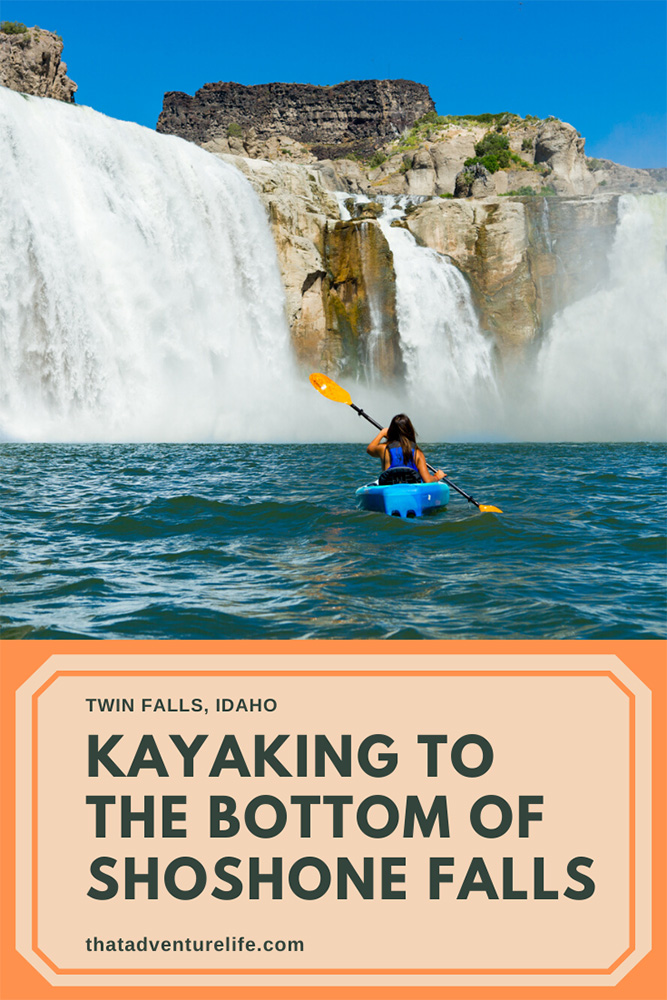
265 542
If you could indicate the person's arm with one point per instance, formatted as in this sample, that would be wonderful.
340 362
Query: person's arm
427 477
376 447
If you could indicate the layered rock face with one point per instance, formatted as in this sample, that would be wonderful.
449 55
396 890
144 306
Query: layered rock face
358 114
359 293
488 241
30 62
525 258
338 276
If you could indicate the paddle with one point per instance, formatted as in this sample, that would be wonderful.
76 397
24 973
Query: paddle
337 394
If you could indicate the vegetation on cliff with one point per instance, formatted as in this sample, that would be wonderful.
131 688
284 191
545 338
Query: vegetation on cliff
13 28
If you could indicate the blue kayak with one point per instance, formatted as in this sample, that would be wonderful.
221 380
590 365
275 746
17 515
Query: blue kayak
403 499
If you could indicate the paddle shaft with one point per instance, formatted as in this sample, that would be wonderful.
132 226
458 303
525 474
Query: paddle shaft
430 468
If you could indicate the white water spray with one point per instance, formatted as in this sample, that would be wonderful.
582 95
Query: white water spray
140 295
602 371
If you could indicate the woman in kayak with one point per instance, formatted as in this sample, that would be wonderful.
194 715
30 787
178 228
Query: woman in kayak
402 460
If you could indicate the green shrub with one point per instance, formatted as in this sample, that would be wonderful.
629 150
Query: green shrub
446 195
492 143
492 152
527 144
528 192
430 118
234 131
500 118
377 159
490 161
422 129
13 28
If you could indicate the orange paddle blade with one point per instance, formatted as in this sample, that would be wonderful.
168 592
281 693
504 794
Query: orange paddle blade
488 508
328 388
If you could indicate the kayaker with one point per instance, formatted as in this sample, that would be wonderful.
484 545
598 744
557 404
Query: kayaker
402 460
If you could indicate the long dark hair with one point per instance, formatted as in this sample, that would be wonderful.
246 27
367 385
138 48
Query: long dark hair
401 430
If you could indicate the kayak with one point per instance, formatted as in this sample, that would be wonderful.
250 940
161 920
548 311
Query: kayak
403 499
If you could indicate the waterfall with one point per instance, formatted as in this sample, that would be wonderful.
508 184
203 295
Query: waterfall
601 373
448 359
141 297
450 384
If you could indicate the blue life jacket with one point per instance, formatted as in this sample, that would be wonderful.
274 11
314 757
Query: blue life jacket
396 458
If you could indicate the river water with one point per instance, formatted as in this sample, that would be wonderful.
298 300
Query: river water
259 541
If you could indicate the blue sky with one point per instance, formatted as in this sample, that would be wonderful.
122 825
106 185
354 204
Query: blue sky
599 64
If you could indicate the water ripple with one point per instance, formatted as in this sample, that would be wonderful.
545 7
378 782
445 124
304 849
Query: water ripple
152 541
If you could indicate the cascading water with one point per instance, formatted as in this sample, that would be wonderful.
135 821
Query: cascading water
447 357
141 297
450 384
601 373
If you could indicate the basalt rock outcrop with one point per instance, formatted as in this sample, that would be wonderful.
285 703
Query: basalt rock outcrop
355 116
30 62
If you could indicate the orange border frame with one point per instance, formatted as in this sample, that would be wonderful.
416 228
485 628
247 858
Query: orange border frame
335 972
648 660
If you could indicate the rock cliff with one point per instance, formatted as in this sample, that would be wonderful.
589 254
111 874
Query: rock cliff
524 257
354 116
529 236
338 277
433 157
507 250
429 159
359 292
30 62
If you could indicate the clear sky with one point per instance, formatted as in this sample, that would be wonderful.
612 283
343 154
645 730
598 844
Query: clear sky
599 64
